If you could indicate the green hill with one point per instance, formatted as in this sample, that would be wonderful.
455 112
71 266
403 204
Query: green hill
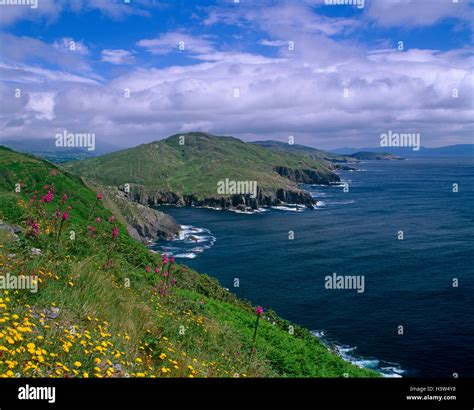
106 306
186 169
310 152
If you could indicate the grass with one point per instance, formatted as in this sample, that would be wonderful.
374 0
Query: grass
101 310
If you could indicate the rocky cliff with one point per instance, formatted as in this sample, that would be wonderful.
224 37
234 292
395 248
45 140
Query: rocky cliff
143 223
306 176
265 197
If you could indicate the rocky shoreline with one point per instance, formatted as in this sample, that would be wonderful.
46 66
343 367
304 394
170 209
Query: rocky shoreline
134 203
241 202
266 197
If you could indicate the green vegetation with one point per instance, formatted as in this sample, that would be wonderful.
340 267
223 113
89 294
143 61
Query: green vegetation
302 150
108 307
365 155
196 165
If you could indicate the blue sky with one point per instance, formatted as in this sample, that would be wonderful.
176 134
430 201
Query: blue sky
343 84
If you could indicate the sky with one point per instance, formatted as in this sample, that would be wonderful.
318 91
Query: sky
328 75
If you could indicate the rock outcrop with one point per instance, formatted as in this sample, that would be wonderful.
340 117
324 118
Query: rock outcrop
306 176
10 231
143 223
265 197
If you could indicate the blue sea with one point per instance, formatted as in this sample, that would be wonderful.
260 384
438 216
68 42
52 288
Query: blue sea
408 282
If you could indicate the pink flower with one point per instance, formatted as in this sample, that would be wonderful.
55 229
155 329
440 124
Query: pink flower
147 268
259 310
114 232
157 270
99 196
174 281
35 227
91 228
109 264
164 259
112 219
171 259
48 197
165 274
65 216
53 172
97 219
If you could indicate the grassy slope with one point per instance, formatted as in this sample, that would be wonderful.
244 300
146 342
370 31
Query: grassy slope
196 166
105 328
302 150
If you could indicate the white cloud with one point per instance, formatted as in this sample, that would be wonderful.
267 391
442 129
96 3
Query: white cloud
46 9
69 44
273 43
50 10
176 41
118 57
42 105
115 9
22 73
298 92
405 13
388 90
59 53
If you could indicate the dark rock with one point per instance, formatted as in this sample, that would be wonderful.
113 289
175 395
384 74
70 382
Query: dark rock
306 176
265 197
143 223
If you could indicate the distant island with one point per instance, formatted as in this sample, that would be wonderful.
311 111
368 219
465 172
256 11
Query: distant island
317 154
374 156
458 150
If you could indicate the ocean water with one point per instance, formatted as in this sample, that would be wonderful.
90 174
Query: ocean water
407 282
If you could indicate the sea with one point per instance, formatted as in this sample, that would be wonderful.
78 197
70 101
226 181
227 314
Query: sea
406 227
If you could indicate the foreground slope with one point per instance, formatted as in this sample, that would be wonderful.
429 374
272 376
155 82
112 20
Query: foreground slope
108 307
186 169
